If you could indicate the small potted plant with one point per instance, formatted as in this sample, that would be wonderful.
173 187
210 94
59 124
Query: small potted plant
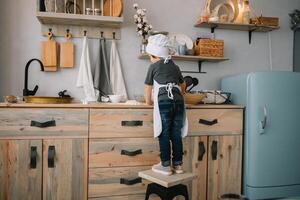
143 27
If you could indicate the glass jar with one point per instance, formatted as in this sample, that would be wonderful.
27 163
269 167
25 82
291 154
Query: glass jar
89 11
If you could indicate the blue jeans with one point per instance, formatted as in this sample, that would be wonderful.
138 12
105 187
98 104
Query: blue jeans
171 112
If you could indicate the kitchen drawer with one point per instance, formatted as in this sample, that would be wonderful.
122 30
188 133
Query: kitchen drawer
109 182
112 123
123 152
19 123
215 121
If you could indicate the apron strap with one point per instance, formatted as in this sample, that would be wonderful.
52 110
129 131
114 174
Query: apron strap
169 88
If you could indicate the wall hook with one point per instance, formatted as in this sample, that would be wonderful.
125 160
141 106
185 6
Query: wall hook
84 32
114 35
101 34
50 34
68 35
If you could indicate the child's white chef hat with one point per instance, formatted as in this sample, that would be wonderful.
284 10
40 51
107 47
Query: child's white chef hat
158 46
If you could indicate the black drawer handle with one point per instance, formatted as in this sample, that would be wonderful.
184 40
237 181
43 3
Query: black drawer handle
201 151
43 124
51 156
132 123
33 157
131 153
214 150
125 181
207 122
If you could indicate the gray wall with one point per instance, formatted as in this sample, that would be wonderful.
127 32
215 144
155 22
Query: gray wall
20 40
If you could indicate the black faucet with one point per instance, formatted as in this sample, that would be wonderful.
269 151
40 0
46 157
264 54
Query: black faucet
26 91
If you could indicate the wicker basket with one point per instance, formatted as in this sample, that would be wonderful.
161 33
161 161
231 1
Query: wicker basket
209 48
194 99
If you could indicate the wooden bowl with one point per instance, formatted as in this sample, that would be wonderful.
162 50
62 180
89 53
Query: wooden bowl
194 99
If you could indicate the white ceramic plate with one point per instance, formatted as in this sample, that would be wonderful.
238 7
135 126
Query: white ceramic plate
182 39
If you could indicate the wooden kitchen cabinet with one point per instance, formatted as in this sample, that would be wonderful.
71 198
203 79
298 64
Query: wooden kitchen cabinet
20 169
65 169
217 162
96 152
224 166
61 169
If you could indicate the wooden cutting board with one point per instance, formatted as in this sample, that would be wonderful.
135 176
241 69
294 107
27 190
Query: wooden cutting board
112 8
49 53
67 53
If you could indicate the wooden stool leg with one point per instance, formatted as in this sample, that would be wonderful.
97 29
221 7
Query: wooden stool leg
148 192
186 193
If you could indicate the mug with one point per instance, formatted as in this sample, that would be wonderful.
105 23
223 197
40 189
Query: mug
182 49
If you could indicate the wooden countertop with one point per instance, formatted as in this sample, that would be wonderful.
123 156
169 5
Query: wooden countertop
111 105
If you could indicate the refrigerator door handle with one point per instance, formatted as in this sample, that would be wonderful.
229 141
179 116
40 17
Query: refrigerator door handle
263 123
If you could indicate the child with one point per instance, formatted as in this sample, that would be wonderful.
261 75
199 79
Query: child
169 119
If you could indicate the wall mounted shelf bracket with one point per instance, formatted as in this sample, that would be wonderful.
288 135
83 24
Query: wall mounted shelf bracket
199 69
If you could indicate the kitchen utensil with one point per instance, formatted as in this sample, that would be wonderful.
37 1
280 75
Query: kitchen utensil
89 11
10 99
212 4
158 32
224 8
112 8
190 98
195 82
49 53
47 100
67 52
182 39
115 98
188 81
215 96
182 49
97 11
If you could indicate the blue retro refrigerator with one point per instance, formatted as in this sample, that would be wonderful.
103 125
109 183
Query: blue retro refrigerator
271 166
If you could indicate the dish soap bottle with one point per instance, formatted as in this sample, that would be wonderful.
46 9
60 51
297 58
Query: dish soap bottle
246 13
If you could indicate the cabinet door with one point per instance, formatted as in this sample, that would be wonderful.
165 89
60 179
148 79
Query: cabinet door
195 160
224 166
65 169
20 169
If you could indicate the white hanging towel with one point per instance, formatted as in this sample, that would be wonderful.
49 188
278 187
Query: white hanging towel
116 76
85 78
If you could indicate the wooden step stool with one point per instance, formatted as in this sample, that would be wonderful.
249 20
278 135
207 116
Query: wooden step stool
166 187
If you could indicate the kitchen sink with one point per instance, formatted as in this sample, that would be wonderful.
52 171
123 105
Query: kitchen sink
47 100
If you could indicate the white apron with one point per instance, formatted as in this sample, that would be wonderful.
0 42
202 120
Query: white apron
157 125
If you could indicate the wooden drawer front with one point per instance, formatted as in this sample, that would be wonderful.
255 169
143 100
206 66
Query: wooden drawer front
108 123
107 182
215 121
68 122
111 152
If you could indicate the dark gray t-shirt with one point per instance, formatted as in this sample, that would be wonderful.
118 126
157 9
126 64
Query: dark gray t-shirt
163 74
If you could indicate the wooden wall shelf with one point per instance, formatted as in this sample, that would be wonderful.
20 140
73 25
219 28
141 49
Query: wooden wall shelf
79 20
191 58
233 26
240 27
198 59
